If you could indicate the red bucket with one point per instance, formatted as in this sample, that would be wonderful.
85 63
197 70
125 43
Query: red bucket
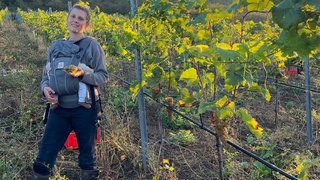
72 143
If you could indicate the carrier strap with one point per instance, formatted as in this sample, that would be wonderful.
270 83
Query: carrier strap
83 44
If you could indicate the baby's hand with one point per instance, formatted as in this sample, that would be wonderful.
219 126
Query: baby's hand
85 68
74 71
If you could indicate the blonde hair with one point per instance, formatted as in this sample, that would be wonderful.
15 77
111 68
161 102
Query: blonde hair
83 8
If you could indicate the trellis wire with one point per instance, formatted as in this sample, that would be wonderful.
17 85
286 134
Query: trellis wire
200 125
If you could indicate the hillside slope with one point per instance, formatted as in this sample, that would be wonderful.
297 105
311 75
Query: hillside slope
119 154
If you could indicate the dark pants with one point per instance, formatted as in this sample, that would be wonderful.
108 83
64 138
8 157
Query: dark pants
60 123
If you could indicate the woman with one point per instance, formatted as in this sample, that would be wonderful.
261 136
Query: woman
69 115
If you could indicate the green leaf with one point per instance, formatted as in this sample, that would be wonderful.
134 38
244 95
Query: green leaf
199 19
206 106
227 55
237 5
207 81
227 111
157 71
234 78
186 97
255 87
289 39
217 105
188 100
156 75
242 49
169 78
184 93
288 14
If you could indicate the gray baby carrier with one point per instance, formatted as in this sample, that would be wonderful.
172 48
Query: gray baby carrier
64 53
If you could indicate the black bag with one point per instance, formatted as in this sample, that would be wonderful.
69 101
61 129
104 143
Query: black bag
96 104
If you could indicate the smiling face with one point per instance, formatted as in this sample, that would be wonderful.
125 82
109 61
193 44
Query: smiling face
77 21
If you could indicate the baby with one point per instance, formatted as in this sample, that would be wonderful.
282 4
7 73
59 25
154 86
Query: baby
83 92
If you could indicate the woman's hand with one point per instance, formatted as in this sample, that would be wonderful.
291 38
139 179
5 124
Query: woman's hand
49 94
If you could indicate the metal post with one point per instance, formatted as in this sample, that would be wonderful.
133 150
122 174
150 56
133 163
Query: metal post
308 101
141 102
276 108
69 5
50 11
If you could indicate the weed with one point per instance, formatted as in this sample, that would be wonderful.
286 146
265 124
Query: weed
177 122
270 153
306 164
167 171
120 99
290 105
183 137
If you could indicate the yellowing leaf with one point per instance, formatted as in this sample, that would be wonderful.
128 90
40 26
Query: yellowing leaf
217 17
266 94
190 76
254 127
201 34
224 114
299 168
222 101
224 46
259 5
202 47
279 56
228 87
231 105
251 123
134 89
281 64
171 168
240 10
256 46
165 161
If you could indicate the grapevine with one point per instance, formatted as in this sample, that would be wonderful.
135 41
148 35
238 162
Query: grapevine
3 13
186 48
